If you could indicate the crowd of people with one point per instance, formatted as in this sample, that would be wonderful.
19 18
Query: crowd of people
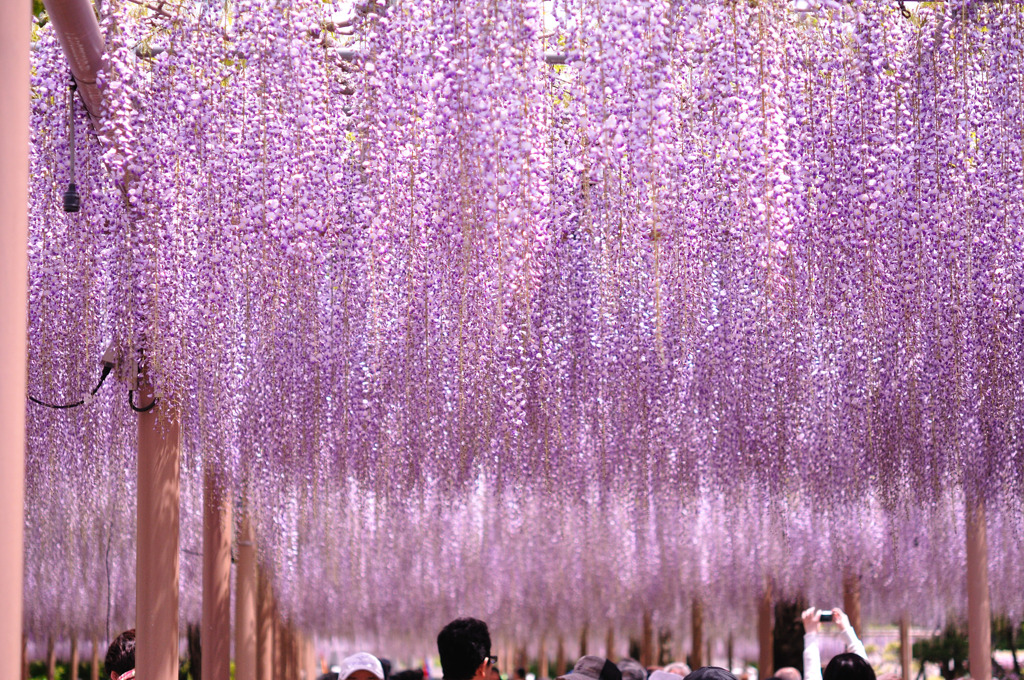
464 647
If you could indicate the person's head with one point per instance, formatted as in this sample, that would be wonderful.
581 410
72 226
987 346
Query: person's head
521 673
848 667
120 655
495 673
464 646
361 666
788 673
593 668
677 667
710 673
632 669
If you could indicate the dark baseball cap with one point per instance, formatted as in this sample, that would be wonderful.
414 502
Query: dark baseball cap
593 668
710 673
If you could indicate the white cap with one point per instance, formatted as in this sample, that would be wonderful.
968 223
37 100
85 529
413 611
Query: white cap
361 662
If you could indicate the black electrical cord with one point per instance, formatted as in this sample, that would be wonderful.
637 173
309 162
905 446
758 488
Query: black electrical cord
903 10
144 409
103 376
72 201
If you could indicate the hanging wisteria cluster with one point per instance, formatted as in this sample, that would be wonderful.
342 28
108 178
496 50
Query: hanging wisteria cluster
551 312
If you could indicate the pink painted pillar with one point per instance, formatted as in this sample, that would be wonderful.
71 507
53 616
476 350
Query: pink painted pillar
295 652
311 665
851 600
245 602
765 637
158 530
15 30
906 649
51 660
647 646
73 675
284 664
697 628
979 609
94 670
216 625
265 618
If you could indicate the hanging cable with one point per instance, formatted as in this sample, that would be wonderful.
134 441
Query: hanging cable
72 201
103 376
138 409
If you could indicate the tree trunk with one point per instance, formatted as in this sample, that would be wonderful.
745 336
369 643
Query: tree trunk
195 650
1013 648
74 658
51 660
94 672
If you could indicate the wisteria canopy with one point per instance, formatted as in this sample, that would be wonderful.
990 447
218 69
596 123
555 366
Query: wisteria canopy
547 312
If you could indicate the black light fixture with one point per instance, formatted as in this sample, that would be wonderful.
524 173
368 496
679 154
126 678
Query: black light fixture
72 201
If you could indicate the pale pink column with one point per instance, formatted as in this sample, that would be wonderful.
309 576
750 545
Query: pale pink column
264 626
245 602
15 29
312 668
851 600
285 663
979 610
280 647
647 646
522 658
697 628
295 650
156 591
906 650
216 626
74 658
94 671
765 657
51 660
